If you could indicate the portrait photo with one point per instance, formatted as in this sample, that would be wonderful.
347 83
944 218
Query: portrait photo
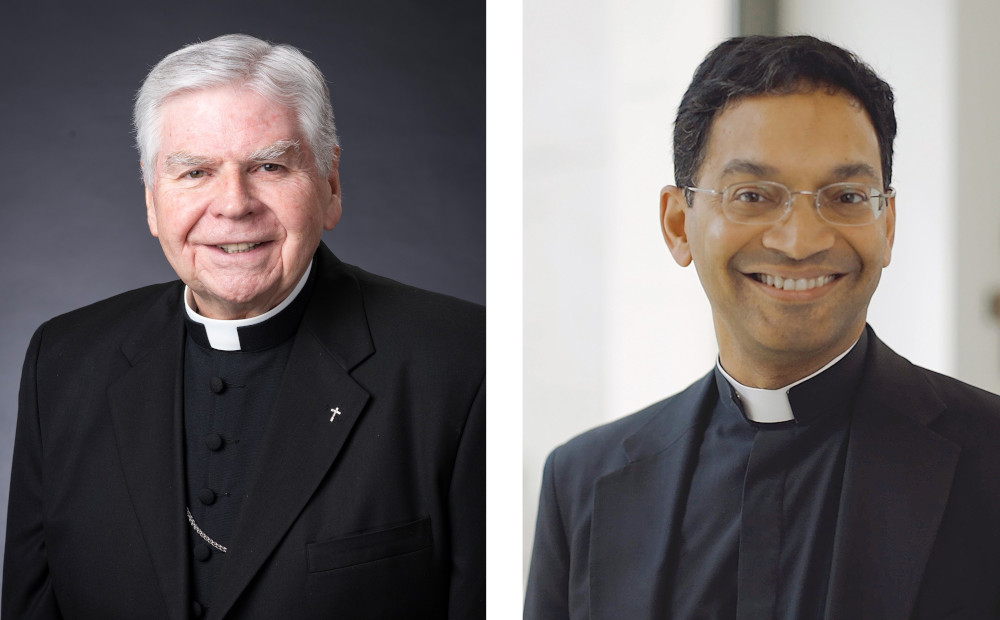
618 317
330 261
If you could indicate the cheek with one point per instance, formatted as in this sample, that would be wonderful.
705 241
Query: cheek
873 249
302 219
174 220
715 239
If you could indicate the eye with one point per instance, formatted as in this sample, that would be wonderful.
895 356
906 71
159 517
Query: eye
851 196
271 167
754 194
195 174
748 195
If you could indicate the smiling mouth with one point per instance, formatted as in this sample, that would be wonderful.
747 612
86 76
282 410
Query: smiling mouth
793 284
236 248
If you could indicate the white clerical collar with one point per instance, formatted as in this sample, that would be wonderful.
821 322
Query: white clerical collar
769 406
223 334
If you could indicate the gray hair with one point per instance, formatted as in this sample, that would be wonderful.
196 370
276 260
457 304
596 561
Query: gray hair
279 73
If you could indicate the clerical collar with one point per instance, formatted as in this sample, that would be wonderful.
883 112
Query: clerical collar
253 334
784 405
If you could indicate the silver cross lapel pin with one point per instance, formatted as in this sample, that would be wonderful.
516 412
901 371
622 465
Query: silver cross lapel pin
335 411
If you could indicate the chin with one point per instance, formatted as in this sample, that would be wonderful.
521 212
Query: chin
234 297
804 341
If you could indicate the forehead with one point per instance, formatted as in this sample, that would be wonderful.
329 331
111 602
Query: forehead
797 134
223 122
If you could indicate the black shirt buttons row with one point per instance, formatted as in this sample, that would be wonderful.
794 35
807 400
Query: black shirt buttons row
217 384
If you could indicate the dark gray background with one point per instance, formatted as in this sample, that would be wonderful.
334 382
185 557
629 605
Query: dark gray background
407 80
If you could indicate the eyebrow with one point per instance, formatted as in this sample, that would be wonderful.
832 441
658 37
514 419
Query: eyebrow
183 159
271 152
745 166
840 173
274 151
848 171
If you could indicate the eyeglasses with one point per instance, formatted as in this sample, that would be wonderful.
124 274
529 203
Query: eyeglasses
768 202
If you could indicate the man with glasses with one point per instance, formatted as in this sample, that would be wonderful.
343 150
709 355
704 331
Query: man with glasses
814 472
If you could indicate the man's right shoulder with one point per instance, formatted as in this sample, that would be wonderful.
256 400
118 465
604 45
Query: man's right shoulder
114 316
602 450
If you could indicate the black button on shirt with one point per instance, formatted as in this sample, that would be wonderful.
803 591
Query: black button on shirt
213 441
202 552
206 496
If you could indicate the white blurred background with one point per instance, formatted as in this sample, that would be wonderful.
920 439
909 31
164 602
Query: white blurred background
611 323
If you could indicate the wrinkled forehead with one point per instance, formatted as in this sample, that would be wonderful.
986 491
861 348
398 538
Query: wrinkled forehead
224 121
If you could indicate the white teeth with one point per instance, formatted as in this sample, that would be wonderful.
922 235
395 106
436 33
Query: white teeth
790 284
235 248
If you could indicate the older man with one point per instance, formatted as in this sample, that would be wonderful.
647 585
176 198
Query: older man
276 435
813 473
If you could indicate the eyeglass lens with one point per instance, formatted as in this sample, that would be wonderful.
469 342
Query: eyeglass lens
766 202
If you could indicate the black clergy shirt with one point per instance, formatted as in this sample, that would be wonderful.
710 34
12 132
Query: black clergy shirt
760 517
228 396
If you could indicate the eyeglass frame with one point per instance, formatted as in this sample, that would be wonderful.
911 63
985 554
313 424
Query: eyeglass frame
882 195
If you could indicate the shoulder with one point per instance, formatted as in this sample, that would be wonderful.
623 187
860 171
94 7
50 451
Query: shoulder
971 415
961 395
388 299
947 400
605 449
407 321
108 319
958 412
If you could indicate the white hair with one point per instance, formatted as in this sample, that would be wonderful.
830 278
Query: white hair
279 73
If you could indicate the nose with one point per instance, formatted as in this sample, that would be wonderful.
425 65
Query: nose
234 198
802 233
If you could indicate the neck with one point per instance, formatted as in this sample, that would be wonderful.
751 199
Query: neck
223 311
769 369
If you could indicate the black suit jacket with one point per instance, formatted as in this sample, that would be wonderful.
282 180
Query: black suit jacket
379 513
917 529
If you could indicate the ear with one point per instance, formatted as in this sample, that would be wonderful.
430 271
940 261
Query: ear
890 230
334 208
673 217
151 212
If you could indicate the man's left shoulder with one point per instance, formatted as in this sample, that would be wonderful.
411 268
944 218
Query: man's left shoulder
403 317
945 398
969 411
389 298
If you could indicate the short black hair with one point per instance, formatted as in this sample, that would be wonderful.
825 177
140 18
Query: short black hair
758 65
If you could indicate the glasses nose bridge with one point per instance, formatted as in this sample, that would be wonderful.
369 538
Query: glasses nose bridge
803 192
789 202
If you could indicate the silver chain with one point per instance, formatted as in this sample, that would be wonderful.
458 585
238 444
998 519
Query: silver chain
203 535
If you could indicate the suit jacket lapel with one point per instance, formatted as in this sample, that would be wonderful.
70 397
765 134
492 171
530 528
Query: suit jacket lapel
316 408
638 509
147 416
896 484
